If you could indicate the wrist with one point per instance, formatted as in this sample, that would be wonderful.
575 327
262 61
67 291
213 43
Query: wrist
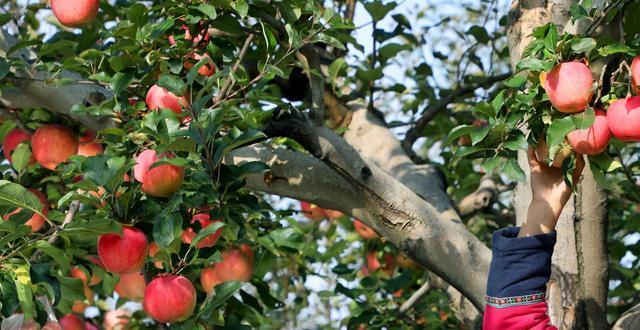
541 219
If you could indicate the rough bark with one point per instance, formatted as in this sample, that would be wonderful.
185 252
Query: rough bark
578 287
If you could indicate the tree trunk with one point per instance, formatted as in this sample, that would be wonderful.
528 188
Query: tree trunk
577 291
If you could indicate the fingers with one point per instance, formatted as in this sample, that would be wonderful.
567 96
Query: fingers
533 158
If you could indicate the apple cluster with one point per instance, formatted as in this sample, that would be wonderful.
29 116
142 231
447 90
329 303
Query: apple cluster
569 86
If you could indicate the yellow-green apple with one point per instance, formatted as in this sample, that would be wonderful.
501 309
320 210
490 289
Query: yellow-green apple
131 286
592 140
204 219
160 98
36 221
169 299
75 13
53 144
88 146
13 139
116 319
312 211
364 231
160 181
124 254
623 118
569 86
71 322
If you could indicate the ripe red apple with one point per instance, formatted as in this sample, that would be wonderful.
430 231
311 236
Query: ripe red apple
51 325
569 86
36 221
188 235
169 299
74 13
312 211
207 69
364 231
88 146
160 181
333 214
592 140
153 250
623 118
203 35
71 322
161 98
116 319
53 144
373 263
90 326
209 279
124 254
131 286
12 140
76 272
635 75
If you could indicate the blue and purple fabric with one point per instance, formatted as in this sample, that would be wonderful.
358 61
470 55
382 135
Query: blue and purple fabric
517 284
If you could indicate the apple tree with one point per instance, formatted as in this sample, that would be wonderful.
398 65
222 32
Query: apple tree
268 164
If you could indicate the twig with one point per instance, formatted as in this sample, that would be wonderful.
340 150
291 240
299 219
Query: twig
415 297
374 59
230 80
71 213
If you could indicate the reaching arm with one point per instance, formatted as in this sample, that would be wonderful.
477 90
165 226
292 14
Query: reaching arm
521 264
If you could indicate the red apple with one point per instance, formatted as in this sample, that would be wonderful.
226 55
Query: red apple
131 286
88 146
153 250
333 214
78 273
71 322
205 220
124 254
90 326
74 13
364 231
116 319
51 325
161 98
207 69
373 263
53 144
623 118
203 35
209 279
312 211
160 181
169 299
592 140
569 86
36 221
12 140
635 75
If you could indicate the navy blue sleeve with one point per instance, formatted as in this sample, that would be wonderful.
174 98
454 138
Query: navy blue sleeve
520 266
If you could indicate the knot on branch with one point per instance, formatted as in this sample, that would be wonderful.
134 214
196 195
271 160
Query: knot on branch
365 173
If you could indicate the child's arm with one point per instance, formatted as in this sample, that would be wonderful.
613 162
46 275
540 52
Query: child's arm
521 264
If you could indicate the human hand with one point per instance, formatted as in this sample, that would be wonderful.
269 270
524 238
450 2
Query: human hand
550 194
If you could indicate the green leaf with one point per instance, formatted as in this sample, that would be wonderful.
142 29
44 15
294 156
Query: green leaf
287 237
20 157
583 45
584 119
294 37
172 83
15 195
334 70
457 132
167 227
9 301
513 170
23 288
207 231
120 81
498 101
379 10
605 162
5 68
558 129
615 49
208 10
241 7
58 256
478 134
516 81
222 293
551 38
479 33
518 142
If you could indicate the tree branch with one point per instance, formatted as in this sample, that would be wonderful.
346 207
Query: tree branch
432 110
415 297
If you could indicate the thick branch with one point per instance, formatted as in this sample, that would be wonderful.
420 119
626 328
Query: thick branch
432 110
33 89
